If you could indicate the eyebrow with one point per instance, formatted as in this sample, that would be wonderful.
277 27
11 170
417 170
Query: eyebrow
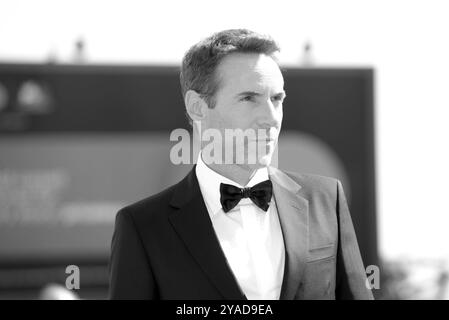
248 93
257 94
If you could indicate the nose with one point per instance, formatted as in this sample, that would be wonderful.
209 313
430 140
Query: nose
271 115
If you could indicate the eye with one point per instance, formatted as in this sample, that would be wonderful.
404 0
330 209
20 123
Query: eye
278 98
247 98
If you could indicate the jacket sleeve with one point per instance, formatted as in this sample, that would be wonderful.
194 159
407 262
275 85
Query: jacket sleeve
130 275
351 276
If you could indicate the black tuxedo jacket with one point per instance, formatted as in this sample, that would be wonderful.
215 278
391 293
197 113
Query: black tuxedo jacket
165 247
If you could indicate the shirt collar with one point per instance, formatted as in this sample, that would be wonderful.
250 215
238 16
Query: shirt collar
209 181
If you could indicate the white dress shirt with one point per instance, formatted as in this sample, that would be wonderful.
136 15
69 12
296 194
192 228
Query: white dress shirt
251 238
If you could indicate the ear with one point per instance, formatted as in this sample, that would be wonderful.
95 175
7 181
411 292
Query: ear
196 107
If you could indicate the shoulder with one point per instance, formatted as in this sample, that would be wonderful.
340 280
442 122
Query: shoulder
323 195
313 181
313 185
149 209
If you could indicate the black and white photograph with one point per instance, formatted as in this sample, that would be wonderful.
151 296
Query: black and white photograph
198 151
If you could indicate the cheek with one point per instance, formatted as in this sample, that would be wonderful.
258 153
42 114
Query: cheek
217 119
237 118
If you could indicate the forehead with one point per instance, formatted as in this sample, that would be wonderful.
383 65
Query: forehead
249 71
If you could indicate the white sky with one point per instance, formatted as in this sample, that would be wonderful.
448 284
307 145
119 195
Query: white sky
406 42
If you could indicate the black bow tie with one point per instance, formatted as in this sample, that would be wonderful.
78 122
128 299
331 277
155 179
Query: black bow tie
260 194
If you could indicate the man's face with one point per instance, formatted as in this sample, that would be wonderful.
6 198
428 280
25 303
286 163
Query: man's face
250 96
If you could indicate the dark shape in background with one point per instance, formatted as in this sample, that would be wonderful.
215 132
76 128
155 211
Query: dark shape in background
127 102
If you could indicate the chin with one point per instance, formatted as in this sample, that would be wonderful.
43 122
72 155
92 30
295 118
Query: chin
264 161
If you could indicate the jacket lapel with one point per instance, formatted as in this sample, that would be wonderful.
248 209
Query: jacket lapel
293 211
191 221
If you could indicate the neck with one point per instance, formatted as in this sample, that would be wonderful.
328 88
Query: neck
238 173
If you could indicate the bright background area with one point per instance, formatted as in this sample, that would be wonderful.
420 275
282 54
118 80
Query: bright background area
406 42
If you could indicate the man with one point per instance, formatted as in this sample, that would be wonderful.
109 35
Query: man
235 228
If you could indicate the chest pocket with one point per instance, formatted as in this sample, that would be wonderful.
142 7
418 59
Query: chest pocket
321 253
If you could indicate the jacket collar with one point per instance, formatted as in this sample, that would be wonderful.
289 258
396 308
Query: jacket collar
293 212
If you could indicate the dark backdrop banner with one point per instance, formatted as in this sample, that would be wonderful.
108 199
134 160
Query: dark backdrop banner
96 137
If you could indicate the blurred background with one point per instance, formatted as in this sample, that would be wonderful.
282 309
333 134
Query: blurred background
89 94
